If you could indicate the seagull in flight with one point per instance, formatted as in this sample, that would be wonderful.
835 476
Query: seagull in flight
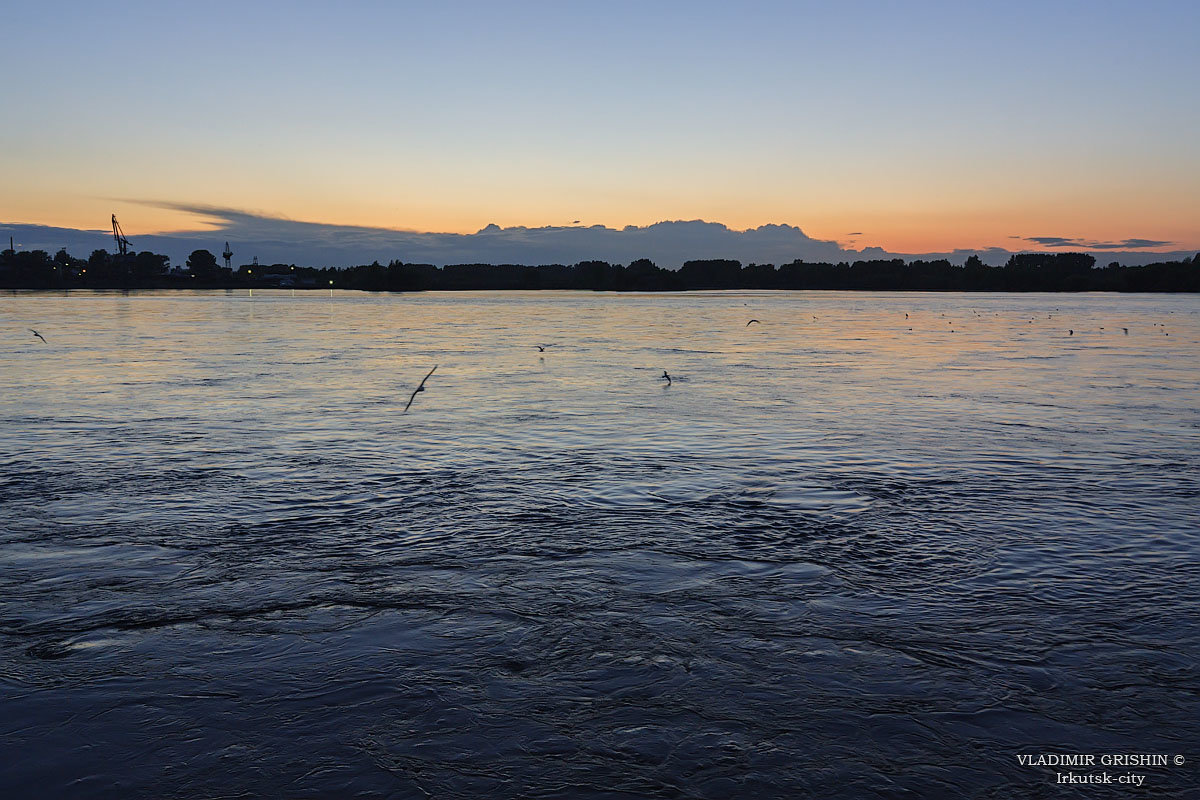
420 388
668 377
751 322
35 333
542 347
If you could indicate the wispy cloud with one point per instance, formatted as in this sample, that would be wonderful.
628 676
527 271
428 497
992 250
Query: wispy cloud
1091 244
1138 243
1053 241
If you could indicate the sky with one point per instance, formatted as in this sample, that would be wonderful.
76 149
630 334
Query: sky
909 126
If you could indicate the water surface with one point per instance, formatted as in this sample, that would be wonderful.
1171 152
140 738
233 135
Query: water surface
843 554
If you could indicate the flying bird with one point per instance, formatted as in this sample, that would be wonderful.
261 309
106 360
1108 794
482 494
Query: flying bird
668 377
1126 331
751 322
420 388
542 347
1070 333
35 333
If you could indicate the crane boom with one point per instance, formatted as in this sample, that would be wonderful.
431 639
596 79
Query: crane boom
119 236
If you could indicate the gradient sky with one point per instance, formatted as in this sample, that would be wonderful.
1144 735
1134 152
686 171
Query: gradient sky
925 126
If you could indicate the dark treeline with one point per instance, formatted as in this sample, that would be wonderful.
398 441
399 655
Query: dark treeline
1046 272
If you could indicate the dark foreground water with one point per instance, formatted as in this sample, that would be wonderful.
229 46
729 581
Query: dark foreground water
843 554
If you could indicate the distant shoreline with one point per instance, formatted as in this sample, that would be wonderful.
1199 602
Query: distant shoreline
1025 272
17 290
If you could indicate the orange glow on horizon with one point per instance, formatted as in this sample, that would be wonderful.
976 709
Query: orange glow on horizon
897 231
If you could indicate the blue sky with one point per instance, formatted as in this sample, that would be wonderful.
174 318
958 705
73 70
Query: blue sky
926 126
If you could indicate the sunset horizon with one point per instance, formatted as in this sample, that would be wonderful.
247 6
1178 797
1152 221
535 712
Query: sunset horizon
906 241
184 220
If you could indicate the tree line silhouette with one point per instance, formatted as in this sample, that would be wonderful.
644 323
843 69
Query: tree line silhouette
1047 272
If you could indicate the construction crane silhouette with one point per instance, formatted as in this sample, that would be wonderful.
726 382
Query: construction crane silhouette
119 235
228 254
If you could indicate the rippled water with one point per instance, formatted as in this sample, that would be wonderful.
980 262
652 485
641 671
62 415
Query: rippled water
843 554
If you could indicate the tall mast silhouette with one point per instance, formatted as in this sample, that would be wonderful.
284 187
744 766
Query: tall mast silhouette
119 236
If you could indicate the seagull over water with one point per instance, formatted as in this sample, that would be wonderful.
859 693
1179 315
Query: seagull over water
751 322
35 333
668 377
420 388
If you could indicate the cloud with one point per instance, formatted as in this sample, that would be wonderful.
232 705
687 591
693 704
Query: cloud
274 239
667 243
1054 241
1134 243
1085 244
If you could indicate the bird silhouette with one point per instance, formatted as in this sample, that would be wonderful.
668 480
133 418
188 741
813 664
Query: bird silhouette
35 333
668 377
419 388
1070 333
1126 331
751 322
